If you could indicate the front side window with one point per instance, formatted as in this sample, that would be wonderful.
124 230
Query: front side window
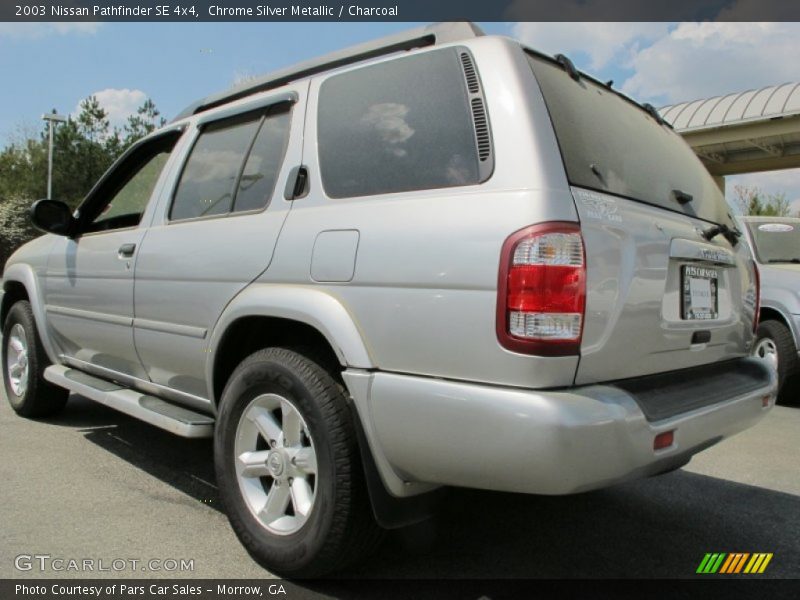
397 126
122 197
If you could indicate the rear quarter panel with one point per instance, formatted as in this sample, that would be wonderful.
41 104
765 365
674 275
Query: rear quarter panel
424 288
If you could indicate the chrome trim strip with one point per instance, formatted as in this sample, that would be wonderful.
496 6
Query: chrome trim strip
147 387
172 328
90 315
702 252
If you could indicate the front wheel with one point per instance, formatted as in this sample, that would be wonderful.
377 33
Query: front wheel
24 362
775 345
288 466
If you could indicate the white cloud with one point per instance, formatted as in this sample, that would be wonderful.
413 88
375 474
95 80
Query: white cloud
118 103
600 42
665 63
40 30
699 60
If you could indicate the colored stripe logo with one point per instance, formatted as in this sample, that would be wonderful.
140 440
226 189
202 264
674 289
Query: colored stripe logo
734 563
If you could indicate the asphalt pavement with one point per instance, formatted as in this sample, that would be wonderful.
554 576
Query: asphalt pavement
95 484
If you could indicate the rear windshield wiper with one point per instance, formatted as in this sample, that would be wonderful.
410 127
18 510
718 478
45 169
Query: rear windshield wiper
730 234
784 260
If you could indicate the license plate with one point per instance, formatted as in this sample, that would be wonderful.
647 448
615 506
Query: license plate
699 300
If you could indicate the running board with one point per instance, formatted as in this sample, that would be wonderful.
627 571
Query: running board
171 417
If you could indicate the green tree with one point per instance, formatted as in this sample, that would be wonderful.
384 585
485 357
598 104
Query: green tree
84 147
146 120
776 205
752 201
15 225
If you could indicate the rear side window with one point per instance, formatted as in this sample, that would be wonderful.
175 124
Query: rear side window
264 163
233 165
397 126
207 183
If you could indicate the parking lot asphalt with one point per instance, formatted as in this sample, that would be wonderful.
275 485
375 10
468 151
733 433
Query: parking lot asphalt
92 483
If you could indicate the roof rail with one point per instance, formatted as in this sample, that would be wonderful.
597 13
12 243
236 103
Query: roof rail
439 33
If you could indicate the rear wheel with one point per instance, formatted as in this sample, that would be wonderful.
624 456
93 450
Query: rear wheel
289 468
775 345
24 362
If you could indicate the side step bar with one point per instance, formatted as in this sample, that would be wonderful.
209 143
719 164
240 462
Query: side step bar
175 419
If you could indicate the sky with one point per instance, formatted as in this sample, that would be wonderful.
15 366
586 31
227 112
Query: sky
56 65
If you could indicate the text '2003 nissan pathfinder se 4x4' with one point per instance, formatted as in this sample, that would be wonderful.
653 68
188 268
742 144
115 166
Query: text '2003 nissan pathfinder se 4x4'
441 259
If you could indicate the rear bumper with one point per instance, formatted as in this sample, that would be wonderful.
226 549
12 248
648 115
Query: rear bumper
542 442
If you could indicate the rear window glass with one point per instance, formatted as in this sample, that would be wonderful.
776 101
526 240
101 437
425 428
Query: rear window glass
207 183
611 145
776 241
234 165
397 126
264 162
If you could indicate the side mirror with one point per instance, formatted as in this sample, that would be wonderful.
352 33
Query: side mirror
52 216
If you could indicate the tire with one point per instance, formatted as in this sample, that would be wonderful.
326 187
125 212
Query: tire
774 342
327 521
24 362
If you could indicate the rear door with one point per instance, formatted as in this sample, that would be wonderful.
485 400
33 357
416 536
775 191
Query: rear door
662 292
659 297
215 233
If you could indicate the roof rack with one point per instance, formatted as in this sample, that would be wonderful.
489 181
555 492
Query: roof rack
439 33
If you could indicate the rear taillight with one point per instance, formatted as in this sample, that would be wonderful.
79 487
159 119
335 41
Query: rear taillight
542 290
757 281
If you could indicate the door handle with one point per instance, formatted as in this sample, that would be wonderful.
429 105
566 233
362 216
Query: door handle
297 183
126 251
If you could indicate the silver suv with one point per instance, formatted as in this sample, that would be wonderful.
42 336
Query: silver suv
440 259
776 246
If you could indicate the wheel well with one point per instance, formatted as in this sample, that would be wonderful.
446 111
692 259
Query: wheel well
15 292
770 314
250 334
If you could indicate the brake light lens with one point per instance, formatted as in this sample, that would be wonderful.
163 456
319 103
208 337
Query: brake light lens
542 290
664 440
757 281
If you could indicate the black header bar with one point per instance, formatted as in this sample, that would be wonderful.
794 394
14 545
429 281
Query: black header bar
398 10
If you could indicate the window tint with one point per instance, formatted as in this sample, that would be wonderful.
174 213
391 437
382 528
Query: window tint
611 145
397 126
207 182
124 196
264 162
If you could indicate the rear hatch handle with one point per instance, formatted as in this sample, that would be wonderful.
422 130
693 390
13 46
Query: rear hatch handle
695 251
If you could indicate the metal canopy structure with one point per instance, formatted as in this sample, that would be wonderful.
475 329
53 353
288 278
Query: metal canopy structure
748 132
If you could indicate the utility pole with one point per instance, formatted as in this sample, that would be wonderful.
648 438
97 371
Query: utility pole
52 119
